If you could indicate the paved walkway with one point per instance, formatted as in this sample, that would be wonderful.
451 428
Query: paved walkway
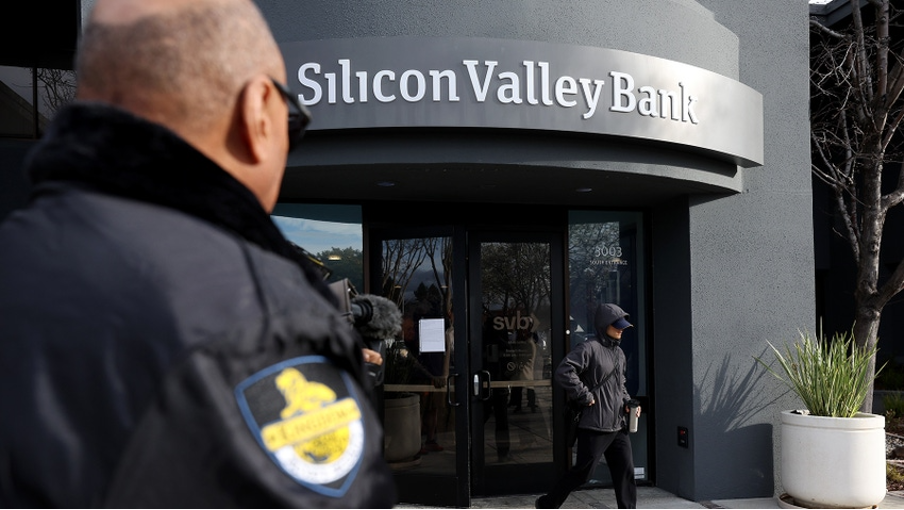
647 497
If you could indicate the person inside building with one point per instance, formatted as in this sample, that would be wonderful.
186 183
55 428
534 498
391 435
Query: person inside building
161 345
593 376
524 354
430 369
494 343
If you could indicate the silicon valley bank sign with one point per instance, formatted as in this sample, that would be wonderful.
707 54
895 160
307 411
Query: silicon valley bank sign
416 82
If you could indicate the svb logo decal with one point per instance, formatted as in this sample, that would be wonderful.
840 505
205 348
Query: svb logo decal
304 414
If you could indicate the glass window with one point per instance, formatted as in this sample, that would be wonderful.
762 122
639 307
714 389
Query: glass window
333 234
416 274
606 265
605 262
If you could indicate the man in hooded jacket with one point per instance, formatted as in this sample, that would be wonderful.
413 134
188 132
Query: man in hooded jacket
593 376
161 343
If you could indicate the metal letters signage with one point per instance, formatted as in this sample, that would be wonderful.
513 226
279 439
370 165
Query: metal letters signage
510 84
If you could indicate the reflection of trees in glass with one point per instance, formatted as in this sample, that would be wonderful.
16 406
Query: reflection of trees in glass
344 263
427 302
594 253
425 263
593 241
443 274
405 259
515 276
401 260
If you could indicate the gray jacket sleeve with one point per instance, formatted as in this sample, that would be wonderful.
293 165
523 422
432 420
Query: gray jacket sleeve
568 374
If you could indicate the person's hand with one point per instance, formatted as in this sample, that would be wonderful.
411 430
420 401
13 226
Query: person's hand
592 401
636 412
371 356
439 381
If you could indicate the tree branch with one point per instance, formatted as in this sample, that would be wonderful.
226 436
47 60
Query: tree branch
890 130
826 30
893 286
861 59
897 196
840 183
896 83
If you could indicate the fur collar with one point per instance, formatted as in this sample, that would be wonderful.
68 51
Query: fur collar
109 150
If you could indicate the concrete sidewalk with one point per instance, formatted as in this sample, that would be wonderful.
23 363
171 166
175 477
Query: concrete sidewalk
647 497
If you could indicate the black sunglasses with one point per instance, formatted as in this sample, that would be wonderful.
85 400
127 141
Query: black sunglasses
298 119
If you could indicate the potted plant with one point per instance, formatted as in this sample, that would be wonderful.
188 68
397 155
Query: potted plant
833 455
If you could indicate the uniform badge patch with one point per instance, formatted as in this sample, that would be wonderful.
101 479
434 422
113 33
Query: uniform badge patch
306 416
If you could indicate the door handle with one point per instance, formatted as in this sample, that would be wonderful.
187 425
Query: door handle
450 390
482 385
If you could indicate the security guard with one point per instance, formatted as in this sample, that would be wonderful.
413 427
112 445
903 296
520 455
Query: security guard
160 343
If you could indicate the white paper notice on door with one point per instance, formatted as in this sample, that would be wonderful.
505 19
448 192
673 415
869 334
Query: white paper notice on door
433 335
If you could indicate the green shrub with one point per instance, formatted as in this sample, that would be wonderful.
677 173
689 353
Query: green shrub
830 377
893 474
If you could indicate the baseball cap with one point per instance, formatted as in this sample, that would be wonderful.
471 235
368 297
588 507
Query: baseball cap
621 323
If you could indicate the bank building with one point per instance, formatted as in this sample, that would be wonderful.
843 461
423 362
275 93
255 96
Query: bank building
499 168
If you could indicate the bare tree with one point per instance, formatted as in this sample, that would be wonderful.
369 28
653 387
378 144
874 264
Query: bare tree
857 80
401 259
59 88
515 276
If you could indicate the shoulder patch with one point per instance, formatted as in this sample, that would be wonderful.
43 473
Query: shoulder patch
306 416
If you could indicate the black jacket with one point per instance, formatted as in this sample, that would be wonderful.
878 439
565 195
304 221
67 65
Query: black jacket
162 346
586 366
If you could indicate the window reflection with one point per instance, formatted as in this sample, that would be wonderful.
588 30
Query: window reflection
603 264
331 233
416 274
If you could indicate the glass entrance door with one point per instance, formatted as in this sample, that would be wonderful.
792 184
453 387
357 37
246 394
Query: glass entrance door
467 397
424 394
486 321
515 305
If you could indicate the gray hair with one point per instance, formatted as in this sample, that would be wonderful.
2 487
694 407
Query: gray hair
185 66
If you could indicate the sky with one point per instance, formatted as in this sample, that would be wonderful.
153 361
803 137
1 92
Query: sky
319 236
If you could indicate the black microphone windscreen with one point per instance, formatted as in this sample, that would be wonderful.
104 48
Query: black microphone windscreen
386 323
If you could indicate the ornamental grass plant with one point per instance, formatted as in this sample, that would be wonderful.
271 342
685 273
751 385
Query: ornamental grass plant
831 377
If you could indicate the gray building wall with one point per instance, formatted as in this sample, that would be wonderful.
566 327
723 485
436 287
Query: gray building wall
752 262
747 262
730 271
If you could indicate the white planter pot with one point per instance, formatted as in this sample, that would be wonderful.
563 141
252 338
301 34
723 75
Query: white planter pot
833 462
